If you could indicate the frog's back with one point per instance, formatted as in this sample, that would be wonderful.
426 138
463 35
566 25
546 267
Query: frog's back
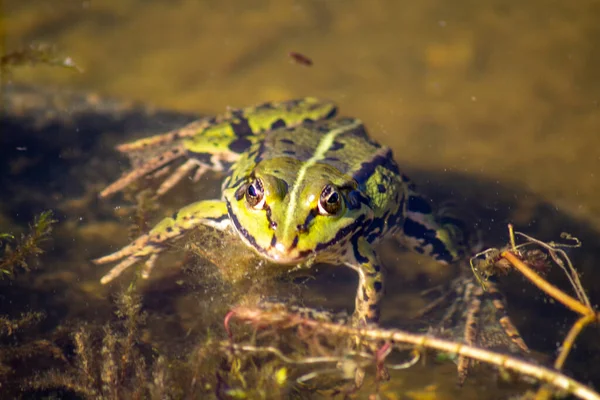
342 144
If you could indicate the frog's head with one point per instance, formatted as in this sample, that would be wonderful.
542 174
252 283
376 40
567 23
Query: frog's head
289 211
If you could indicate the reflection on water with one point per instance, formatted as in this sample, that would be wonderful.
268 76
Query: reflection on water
493 103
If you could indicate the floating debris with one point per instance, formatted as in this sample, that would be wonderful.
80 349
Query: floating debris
301 59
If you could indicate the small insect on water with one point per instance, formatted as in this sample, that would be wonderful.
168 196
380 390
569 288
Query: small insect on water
300 59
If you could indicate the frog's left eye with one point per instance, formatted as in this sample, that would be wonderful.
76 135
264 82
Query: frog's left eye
330 202
255 194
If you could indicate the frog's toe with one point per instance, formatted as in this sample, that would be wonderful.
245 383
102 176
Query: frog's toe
129 255
143 169
180 173
149 266
136 246
118 269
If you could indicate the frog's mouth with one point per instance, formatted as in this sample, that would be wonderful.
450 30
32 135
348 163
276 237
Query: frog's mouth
281 254
276 252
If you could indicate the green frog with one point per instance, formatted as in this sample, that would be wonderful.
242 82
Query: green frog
301 186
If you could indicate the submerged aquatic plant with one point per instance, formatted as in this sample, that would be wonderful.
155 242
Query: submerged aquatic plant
108 361
35 54
17 253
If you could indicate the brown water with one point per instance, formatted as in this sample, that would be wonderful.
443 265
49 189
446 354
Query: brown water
508 92
504 94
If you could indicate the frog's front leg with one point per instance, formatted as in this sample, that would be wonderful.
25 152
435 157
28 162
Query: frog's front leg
211 213
370 282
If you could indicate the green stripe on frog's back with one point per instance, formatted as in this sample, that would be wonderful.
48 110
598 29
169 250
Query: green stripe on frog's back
350 147
231 132
325 145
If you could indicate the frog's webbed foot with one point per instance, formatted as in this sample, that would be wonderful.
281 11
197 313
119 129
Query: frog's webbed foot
130 254
145 168
150 154
149 246
476 317
180 173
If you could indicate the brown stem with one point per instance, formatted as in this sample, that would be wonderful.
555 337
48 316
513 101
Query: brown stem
547 287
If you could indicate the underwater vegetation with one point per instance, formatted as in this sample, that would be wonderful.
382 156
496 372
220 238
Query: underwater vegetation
140 344
16 253
35 54
279 351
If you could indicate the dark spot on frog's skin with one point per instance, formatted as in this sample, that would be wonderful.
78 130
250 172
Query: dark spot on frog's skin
365 295
336 146
241 127
331 113
174 216
273 241
268 213
359 257
278 124
419 204
170 229
240 145
377 268
344 252
381 188
295 242
332 159
366 168
276 171
240 192
287 141
239 182
378 286
304 227
396 218
373 307
289 152
265 106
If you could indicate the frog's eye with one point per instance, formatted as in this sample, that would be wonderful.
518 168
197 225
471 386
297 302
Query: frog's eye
330 202
255 195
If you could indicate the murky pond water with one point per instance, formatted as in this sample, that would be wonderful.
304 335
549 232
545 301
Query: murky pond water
491 103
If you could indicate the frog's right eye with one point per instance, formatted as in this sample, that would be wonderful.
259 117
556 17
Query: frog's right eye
255 194
330 202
